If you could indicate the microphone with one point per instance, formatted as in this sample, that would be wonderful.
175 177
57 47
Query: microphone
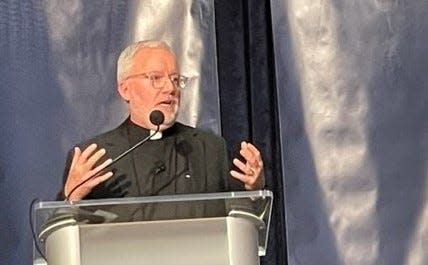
156 118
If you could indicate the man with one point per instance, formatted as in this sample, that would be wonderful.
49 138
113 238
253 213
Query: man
181 160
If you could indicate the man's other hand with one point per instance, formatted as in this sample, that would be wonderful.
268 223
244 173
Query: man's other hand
252 174
82 168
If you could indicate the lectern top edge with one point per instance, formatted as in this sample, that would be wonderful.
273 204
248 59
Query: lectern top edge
153 199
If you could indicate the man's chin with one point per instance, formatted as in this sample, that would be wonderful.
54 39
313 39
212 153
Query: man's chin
169 121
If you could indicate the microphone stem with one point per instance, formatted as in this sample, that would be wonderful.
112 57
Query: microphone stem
135 146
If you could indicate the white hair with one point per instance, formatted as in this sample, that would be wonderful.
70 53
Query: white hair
124 63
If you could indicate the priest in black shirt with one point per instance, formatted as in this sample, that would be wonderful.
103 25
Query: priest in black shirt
178 159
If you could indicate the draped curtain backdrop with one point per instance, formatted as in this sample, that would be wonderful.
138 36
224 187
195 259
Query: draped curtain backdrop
57 76
353 91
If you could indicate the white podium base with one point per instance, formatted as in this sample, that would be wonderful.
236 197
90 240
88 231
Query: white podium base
206 241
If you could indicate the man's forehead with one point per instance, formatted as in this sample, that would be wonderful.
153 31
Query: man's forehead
148 56
153 52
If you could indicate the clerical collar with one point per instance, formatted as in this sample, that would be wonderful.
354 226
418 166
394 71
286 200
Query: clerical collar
156 136
137 132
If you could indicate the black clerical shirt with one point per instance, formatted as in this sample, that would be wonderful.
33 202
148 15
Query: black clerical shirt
184 160
164 162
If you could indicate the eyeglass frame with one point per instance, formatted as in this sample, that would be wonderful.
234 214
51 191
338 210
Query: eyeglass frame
150 76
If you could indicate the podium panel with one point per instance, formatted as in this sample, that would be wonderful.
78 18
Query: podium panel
228 232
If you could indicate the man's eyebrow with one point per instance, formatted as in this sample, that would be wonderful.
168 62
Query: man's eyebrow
161 72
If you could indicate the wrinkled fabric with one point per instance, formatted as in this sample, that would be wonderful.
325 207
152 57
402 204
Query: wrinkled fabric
352 93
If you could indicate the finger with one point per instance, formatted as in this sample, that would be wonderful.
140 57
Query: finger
246 154
95 157
243 167
76 156
87 152
254 150
102 178
253 157
101 167
242 177
96 171
249 181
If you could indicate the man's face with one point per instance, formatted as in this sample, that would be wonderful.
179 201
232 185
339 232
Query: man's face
138 90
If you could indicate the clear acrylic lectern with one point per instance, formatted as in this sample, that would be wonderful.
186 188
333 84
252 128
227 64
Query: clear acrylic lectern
204 229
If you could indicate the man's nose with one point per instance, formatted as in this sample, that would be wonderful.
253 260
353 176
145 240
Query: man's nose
169 87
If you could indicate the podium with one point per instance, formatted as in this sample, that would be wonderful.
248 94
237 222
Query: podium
192 229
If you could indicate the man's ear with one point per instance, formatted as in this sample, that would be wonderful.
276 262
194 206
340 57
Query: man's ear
122 88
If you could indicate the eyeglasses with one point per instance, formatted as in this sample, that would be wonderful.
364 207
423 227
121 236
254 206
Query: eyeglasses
158 80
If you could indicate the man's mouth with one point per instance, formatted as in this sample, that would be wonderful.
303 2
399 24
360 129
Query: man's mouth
166 103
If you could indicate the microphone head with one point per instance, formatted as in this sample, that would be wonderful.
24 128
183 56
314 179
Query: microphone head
157 117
